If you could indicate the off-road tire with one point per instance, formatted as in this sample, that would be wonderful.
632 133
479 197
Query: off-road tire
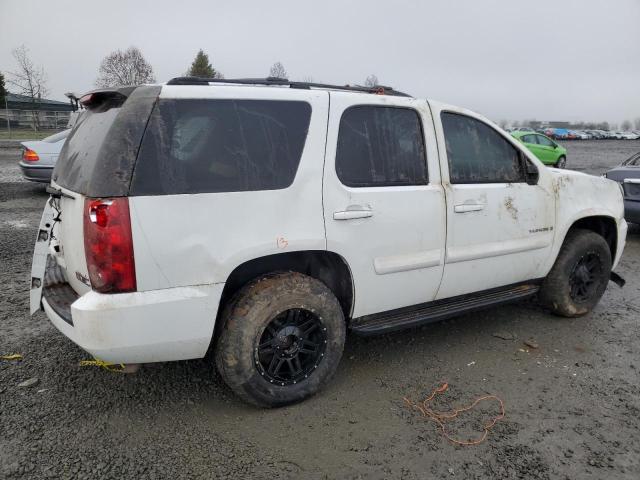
556 289
562 162
246 318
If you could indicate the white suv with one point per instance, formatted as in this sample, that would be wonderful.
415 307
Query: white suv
264 218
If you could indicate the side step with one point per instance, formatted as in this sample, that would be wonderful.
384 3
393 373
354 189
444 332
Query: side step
439 309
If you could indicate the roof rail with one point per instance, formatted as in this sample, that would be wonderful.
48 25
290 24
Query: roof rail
275 81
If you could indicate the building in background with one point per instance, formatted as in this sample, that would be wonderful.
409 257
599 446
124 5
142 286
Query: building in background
23 113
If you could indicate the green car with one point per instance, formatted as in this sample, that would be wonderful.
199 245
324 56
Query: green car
548 151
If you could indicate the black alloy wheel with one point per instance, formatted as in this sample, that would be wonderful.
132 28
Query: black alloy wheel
291 347
585 277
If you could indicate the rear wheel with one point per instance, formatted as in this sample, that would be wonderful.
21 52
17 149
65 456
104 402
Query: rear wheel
282 340
562 162
580 275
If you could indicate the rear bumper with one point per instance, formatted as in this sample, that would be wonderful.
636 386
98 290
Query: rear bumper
36 173
632 211
141 327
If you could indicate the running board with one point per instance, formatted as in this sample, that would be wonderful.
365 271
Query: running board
439 309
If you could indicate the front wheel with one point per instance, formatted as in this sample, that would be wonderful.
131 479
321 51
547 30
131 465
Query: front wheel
580 275
562 162
282 340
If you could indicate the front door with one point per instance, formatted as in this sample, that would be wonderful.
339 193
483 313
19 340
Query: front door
383 200
499 227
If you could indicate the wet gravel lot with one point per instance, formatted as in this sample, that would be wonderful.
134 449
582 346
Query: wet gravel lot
572 404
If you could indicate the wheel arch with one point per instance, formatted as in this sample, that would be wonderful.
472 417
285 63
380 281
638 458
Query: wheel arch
603 225
326 266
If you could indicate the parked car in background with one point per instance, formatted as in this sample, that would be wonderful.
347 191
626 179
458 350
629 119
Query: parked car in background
629 136
627 174
596 134
40 156
558 133
548 151
581 135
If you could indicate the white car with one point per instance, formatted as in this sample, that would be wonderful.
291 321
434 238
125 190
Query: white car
629 135
40 156
264 218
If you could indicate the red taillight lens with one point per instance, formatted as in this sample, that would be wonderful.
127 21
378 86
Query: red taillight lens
108 245
30 156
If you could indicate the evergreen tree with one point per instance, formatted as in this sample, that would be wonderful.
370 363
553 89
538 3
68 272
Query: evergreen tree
201 67
3 91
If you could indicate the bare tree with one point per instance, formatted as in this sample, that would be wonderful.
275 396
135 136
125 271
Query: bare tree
626 126
371 81
127 67
503 123
278 71
307 79
29 80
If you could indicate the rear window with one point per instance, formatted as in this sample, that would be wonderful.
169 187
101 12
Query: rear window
80 153
199 146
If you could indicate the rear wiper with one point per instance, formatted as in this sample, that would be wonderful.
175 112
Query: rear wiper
58 193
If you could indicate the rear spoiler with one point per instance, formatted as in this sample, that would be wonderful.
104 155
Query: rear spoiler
105 98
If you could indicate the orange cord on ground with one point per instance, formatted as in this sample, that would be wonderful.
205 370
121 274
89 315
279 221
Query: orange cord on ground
441 417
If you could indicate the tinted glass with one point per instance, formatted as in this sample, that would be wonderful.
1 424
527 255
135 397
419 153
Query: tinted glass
79 156
477 153
544 141
381 146
197 146
529 139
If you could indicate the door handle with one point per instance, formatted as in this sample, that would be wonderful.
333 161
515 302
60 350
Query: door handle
352 214
468 207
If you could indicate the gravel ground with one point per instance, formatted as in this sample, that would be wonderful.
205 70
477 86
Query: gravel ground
572 404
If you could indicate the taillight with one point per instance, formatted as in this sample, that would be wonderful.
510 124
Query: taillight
30 156
108 245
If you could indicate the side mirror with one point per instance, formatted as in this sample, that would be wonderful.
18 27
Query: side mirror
531 174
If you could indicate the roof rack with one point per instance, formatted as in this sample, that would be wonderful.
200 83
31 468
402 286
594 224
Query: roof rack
275 81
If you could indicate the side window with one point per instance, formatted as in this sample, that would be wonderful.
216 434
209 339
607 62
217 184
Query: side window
208 146
381 146
529 139
479 154
544 141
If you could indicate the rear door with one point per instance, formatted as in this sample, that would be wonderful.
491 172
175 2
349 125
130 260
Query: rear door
499 227
383 200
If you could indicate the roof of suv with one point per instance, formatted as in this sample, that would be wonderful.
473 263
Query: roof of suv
283 82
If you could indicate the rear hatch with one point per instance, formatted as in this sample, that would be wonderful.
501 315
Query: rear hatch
96 162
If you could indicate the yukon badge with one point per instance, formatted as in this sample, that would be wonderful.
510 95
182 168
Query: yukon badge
542 229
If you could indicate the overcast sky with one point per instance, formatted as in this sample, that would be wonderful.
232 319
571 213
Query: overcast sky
543 59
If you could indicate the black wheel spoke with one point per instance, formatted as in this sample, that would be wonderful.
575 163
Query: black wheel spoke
274 366
266 347
583 280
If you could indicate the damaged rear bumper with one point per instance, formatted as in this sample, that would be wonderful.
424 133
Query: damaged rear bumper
139 327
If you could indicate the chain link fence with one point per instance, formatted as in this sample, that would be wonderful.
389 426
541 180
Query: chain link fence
33 119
